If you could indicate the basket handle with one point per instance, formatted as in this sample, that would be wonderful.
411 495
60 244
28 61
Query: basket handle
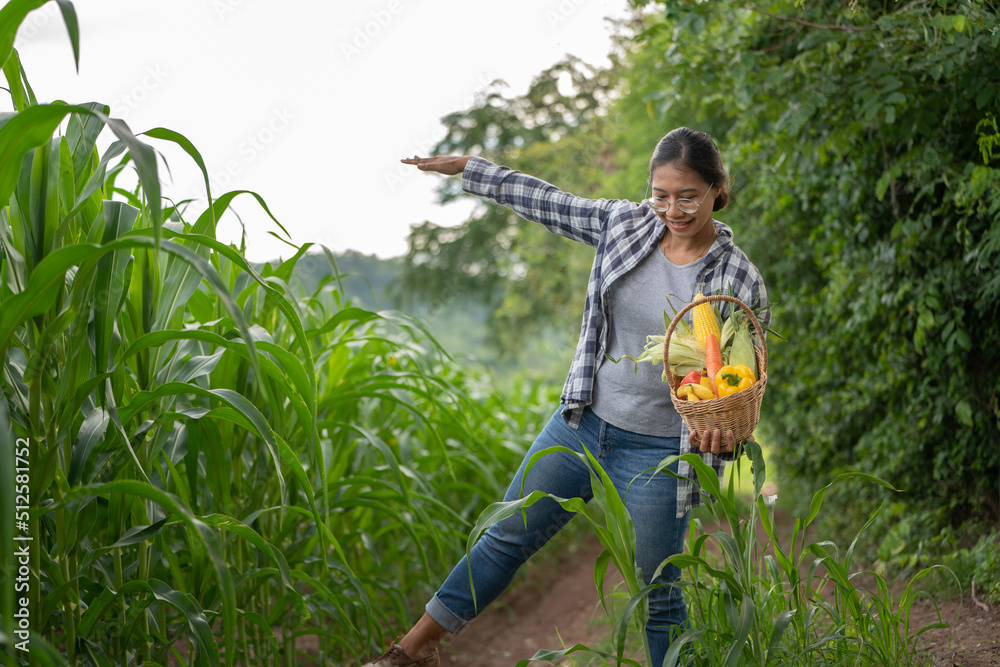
706 299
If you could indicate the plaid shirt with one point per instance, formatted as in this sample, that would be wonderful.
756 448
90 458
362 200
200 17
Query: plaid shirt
624 233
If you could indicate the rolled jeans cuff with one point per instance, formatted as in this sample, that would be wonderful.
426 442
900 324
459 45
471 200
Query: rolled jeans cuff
444 617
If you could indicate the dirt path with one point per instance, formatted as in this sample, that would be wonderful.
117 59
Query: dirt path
557 600
561 601
973 640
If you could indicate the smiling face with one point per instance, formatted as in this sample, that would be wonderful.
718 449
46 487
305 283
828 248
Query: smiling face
671 182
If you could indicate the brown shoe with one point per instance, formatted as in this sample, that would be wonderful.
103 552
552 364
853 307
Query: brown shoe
396 657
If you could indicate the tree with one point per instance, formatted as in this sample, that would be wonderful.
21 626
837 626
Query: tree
868 192
863 143
559 131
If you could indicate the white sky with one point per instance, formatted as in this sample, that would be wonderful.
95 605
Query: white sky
310 103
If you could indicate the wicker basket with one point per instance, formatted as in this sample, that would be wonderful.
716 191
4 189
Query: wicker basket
739 411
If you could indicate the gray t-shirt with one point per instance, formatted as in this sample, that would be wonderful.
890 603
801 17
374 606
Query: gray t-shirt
631 399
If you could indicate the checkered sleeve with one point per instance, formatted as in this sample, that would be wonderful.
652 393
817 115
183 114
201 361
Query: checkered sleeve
565 214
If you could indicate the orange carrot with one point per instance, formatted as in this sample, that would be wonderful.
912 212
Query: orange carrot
713 358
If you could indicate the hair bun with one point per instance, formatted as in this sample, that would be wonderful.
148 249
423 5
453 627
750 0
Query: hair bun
722 200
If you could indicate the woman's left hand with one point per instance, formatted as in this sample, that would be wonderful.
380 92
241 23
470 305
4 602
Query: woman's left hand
449 165
713 441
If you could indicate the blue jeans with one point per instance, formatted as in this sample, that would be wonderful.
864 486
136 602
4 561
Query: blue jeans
504 546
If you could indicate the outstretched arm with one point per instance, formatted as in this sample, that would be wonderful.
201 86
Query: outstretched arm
577 218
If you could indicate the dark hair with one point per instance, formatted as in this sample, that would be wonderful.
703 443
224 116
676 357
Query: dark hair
696 151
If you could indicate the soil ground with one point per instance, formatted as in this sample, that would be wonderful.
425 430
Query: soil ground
560 608
553 604
549 610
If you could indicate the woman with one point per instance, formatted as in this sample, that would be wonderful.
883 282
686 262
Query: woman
668 245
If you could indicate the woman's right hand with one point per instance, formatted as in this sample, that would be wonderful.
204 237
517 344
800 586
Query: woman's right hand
448 165
715 441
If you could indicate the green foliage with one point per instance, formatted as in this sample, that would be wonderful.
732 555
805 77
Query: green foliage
978 565
365 279
558 131
870 174
458 318
764 599
218 461
863 146
984 559
866 192
755 595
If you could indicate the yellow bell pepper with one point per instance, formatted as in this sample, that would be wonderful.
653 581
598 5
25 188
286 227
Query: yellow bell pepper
731 379
746 371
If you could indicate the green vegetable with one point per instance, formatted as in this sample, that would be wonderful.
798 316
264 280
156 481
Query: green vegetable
686 353
728 331
742 350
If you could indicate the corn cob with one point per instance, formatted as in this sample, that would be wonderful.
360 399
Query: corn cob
705 321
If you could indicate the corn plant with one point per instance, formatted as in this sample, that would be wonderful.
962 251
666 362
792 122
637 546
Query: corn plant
218 464
801 604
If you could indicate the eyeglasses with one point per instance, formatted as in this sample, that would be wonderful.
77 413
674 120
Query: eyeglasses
684 204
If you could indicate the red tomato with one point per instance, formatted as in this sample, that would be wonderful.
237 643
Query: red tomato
694 377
